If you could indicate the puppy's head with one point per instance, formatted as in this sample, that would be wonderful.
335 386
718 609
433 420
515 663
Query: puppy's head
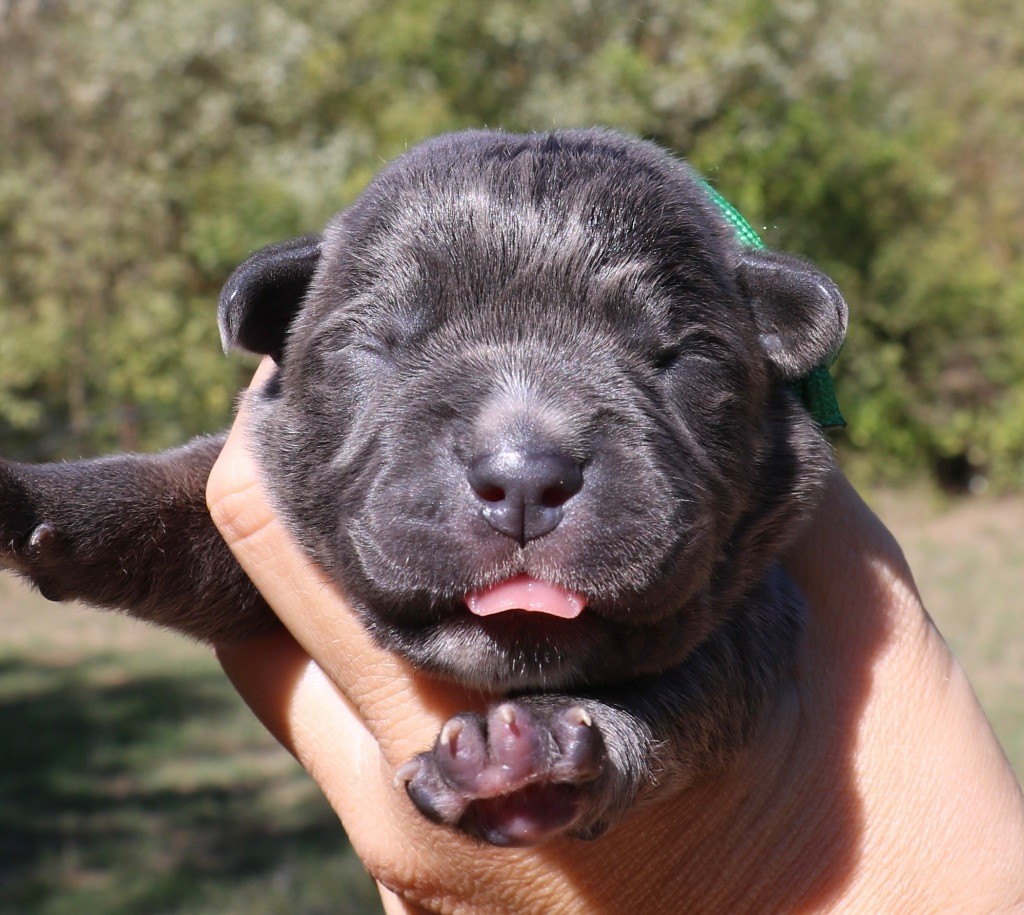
536 364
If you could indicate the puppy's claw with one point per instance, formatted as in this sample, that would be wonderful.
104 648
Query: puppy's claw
405 773
450 733
579 716
506 714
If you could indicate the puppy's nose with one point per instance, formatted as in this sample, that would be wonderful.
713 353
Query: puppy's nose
523 492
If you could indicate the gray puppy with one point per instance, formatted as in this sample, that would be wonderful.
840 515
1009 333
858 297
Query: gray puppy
532 414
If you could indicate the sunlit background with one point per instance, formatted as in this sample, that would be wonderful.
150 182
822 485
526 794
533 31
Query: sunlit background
146 147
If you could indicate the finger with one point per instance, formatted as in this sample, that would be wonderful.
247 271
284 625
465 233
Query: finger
304 710
317 723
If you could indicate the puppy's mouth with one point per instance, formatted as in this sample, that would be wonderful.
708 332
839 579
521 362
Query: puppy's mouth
526 594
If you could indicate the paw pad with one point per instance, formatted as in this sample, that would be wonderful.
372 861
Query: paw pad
515 777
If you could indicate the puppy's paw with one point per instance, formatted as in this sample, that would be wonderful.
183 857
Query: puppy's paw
17 514
517 777
28 544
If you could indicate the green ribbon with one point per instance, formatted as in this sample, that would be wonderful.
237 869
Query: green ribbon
815 389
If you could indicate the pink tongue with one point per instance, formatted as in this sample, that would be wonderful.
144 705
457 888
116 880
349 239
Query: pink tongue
526 593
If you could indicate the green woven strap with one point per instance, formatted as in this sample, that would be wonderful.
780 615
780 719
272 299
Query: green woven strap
815 389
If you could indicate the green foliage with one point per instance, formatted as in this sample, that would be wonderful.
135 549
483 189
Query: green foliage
147 147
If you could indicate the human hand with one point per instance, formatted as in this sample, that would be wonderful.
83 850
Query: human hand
874 785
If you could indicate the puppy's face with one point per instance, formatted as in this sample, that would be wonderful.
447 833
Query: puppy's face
535 368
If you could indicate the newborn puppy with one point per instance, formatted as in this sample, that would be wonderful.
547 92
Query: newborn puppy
532 414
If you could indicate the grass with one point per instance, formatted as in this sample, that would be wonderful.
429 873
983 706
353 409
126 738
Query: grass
133 780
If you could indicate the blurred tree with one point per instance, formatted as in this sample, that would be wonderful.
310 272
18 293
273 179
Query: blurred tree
146 150
148 147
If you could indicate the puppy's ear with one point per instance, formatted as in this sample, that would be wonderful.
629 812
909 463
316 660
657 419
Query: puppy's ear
262 296
800 313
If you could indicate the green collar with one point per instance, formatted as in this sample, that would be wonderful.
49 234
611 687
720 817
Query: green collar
815 389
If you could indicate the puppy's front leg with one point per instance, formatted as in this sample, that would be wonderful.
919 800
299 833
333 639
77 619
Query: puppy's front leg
129 532
536 766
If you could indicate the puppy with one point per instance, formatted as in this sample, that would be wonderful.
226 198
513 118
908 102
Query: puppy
532 413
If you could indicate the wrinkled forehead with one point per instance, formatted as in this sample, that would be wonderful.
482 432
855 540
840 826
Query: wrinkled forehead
486 262
489 220
617 191
485 238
